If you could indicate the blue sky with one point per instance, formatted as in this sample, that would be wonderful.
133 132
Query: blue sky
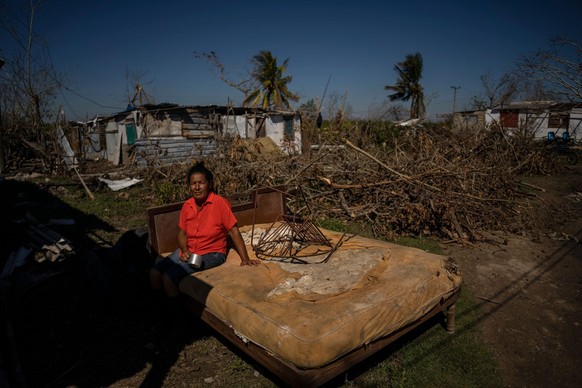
356 43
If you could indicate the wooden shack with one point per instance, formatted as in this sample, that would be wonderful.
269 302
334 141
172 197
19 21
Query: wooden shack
163 134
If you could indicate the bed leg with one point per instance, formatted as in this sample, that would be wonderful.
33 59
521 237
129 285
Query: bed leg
451 312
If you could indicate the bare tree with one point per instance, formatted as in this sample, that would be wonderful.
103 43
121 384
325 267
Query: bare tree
499 91
496 91
30 86
337 106
245 85
536 90
30 71
558 68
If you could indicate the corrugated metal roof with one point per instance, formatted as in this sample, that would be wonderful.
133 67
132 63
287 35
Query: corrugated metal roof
219 109
538 105
188 109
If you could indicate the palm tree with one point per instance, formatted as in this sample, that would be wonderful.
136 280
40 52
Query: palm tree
408 84
271 90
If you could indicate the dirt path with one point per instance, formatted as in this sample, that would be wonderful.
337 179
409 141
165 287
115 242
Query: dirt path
530 289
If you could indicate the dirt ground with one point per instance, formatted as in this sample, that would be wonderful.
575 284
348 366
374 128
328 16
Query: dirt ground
529 286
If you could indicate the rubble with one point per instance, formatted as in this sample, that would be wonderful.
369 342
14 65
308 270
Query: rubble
433 184
43 244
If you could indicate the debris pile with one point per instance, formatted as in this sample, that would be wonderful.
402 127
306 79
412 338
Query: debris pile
43 245
430 183
49 244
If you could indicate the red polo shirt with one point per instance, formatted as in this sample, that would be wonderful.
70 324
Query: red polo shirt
206 229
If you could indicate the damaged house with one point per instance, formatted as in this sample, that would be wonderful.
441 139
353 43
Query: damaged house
167 133
468 120
542 119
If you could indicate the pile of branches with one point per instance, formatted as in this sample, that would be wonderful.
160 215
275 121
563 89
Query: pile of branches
427 183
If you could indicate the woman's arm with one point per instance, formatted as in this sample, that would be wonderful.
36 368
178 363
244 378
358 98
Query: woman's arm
183 243
240 247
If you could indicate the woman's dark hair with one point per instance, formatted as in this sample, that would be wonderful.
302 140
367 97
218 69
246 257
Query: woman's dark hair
199 168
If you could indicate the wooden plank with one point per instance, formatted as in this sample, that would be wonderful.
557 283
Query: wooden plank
160 141
198 134
270 204
168 143
170 160
163 227
176 153
197 126
188 148
181 154
194 120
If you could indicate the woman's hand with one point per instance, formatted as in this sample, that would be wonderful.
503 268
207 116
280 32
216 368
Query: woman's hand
184 255
253 263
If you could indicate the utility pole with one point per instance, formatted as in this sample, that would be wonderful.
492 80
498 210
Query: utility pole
2 161
455 97
454 105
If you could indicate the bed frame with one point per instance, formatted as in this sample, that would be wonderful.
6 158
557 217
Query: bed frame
264 206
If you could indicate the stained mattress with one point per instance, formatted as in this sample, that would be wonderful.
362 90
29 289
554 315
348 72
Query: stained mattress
312 314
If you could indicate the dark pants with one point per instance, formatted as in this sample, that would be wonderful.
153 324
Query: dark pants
176 269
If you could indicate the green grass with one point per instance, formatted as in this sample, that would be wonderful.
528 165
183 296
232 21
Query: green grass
423 243
432 357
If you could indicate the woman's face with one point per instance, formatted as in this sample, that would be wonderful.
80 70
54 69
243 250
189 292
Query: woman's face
199 187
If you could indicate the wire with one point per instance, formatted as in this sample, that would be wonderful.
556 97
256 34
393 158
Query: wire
69 89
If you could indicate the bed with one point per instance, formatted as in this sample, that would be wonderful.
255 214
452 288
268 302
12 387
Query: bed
309 320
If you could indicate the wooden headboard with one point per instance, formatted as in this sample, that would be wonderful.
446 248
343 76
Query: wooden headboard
258 206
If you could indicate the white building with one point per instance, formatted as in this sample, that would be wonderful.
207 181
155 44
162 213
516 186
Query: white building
540 118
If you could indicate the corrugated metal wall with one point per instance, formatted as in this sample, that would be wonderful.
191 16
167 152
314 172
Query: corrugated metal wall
154 152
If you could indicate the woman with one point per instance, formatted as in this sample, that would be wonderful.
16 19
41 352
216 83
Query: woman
205 221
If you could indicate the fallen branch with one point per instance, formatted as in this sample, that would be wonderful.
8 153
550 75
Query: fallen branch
89 193
532 186
328 182
405 177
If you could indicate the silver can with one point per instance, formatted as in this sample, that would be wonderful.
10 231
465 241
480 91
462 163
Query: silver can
195 260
